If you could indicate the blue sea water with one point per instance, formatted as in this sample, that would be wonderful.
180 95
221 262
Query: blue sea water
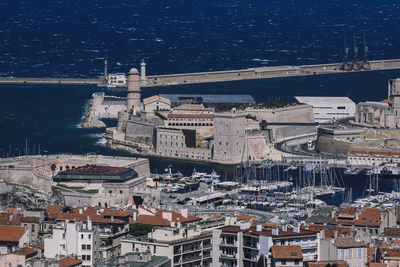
61 38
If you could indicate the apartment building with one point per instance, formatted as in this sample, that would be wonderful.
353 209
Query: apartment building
77 239
185 246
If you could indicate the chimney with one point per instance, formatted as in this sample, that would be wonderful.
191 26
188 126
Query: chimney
296 229
258 227
80 211
89 223
112 218
134 216
275 231
167 215
335 233
178 225
284 228
184 213
172 224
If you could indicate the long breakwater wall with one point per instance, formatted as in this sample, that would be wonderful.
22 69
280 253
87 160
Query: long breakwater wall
214 76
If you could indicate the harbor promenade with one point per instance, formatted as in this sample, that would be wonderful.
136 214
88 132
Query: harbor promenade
213 76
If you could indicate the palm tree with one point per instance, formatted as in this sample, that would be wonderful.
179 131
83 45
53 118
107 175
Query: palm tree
53 168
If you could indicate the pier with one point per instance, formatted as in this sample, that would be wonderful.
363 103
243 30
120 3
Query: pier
214 76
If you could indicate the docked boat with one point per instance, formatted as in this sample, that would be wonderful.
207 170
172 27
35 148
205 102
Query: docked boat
386 170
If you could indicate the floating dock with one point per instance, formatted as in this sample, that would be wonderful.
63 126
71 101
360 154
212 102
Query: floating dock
215 76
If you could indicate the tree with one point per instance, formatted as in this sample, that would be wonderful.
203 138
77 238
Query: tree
114 229
140 229
53 168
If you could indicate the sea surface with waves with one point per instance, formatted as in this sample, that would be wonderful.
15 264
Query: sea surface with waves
40 38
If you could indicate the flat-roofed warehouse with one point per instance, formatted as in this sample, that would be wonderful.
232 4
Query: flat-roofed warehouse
214 101
96 174
328 109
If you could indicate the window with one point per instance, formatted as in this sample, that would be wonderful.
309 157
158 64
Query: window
90 236
63 236
154 250
83 247
296 262
81 236
83 257
341 107
342 253
88 257
359 252
283 262
350 253
88 247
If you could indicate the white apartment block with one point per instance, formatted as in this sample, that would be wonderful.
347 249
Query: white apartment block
187 246
73 239
242 245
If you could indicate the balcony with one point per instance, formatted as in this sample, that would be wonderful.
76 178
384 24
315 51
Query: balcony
194 258
228 256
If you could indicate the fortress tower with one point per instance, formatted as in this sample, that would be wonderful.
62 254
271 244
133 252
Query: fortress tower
133 92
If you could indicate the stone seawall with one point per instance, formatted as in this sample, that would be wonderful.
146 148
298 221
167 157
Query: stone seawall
90 119
25 176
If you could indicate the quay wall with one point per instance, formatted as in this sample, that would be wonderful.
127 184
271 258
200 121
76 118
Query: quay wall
25 176
214 76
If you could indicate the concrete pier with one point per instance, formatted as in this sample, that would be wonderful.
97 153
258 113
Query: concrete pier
51 81
215 76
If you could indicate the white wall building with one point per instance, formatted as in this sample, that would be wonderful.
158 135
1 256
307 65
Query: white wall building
185 246
328 109
74 239
116 80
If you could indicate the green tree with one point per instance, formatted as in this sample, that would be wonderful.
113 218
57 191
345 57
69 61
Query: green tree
66 209
53 168
114 229
140 229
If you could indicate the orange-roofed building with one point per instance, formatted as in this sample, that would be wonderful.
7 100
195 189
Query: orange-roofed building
325 263
159 217
69 262
12 237
389 255
290 256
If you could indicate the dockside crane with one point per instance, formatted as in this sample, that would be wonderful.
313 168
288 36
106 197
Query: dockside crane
365 63
345 64
355 65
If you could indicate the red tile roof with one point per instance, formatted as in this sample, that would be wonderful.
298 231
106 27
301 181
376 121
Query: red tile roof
83 218
157 218
69 262
370 217
11 233
96 170
197 116
325 263
395 232
390 253
30 219
287 252
117 213
28 252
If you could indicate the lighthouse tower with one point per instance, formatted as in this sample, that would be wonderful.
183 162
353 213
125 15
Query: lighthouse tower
143 78
133 92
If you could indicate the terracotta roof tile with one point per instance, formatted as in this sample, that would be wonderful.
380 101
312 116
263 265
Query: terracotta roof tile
325 263
28 252
390 252
39 246
375 264
286 252
11 233
155 98
30 219
117 213
241 217
391 232
200 116
370 216
69 262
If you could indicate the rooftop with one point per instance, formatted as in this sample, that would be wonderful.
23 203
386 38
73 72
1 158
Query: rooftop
97 172
287 252
281 234
209 99
327 100
155 98
370 217
347 242
11 233
69 262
